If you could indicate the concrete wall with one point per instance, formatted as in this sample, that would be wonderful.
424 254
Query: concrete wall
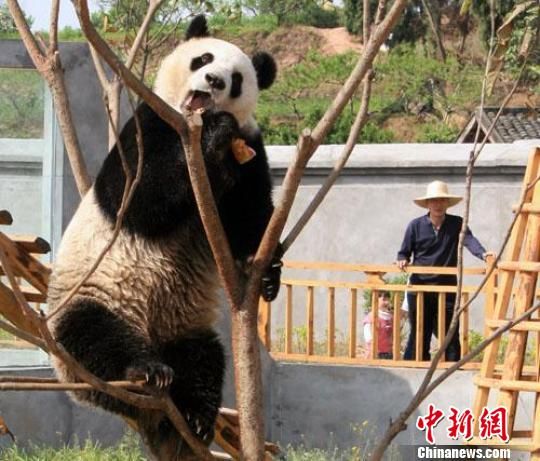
364 216
322 405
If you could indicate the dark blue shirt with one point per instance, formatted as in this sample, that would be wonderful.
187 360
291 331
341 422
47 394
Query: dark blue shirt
428 248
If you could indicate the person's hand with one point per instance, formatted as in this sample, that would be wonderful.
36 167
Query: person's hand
488 254
402 264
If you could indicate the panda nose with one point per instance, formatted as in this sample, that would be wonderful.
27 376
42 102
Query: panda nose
215 81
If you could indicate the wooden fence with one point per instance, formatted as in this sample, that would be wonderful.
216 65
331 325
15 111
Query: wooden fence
285 344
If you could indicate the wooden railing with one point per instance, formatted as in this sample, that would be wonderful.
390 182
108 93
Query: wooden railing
33 293
316 338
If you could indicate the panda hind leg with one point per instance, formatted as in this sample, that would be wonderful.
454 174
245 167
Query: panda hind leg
198 362
109 347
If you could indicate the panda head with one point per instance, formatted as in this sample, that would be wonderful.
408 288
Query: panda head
208 73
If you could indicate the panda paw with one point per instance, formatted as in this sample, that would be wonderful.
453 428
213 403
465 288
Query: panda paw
221 128
200 427
271 280
155 374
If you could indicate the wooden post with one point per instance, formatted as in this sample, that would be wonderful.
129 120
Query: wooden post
309 321
419 326
288 320
396 333
506 282
375 324
331 335
441 321
490 292
264 324
352 323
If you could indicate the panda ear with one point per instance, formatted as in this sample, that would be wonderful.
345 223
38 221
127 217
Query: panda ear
197 28
266 69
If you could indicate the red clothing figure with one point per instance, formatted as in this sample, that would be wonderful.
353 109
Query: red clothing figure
384 328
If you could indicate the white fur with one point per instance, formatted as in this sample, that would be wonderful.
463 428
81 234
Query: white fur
149 283
175 79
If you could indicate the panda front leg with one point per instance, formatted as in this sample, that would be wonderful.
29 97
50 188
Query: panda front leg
198 361
110 347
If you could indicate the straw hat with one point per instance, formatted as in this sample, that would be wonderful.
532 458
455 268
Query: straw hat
437 189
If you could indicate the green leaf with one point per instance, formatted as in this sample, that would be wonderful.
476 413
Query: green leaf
465 7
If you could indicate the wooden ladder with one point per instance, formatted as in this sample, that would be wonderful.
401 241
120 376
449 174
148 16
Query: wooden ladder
518 274
21 252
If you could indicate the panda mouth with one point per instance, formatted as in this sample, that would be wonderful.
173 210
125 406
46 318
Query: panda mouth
198 101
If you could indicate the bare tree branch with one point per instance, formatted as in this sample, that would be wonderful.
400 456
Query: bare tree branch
50 68
23 335
310 141
359 122
143 30
435 29
53 28
427 386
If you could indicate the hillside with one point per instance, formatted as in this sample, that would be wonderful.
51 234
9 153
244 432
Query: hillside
416 98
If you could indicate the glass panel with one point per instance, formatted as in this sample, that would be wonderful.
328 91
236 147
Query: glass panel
21 104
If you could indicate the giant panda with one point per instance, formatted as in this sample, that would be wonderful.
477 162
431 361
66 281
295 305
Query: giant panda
148 311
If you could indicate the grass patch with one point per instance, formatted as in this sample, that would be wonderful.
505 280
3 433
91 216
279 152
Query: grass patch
127 450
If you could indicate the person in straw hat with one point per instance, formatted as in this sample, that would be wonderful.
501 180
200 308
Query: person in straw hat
432 240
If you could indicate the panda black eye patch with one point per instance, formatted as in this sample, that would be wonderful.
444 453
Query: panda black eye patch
236 85
200 61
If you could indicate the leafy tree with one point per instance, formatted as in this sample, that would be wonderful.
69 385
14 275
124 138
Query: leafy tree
7 26
285 9
353 13
128 15
410 28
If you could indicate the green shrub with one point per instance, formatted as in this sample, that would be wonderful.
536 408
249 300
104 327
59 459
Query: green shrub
438 133
316 16
69 33
21 103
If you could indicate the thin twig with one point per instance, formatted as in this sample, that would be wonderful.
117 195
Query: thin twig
23 335
422 392
306 149
359 122
51 386
129 190
152 8
478 349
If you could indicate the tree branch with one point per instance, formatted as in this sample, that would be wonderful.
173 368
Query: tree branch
50 68
425 387
359 122
53 28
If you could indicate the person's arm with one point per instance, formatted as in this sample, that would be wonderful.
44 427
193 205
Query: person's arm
368 333
474 246
407 248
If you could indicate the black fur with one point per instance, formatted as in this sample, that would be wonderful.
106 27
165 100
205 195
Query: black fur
236 85
109 347
266 69
197 28
104 344
164 199
200 61
199 362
